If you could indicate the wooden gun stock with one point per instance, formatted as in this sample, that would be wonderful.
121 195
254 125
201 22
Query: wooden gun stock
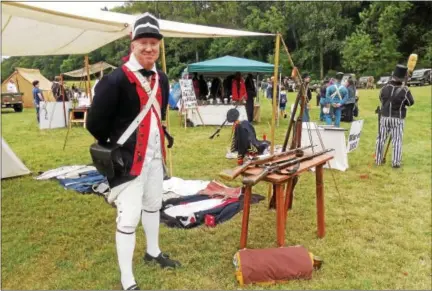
251 181
232 174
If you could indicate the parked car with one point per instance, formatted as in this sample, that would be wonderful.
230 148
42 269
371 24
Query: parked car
12 100
420 77
382 81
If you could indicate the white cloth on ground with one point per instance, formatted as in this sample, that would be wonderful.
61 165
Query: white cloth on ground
183 187
193 207
59 171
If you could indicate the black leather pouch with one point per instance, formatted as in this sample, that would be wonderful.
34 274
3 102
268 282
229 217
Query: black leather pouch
108 159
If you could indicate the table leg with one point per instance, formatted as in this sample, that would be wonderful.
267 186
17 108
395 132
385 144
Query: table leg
280 216
288 198
320 201
245 221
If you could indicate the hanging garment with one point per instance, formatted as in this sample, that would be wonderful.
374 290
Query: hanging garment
238 90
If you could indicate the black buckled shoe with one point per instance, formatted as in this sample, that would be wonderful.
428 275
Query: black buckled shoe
133 287
163 260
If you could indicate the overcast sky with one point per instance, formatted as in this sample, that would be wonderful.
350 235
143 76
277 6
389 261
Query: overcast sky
76 7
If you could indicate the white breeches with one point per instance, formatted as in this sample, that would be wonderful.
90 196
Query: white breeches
144 193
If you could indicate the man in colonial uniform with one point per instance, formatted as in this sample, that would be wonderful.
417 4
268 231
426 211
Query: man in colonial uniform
336 96
306 79
136 189
394 98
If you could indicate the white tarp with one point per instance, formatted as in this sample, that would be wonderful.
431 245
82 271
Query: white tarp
11 165
40 28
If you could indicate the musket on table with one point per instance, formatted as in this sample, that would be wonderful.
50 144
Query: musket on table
232 174
281 168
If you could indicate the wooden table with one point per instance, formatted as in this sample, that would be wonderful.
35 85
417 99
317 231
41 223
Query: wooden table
72 118
279 181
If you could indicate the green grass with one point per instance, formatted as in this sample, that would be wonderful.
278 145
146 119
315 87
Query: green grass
58 239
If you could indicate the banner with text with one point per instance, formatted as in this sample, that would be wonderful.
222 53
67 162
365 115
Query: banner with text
188 95
354 135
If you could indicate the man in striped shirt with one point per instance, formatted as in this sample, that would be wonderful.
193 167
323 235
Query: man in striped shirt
394 98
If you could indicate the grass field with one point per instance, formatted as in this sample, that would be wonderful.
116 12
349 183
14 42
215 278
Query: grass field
58 239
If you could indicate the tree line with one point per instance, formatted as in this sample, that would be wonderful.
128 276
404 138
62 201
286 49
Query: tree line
365 38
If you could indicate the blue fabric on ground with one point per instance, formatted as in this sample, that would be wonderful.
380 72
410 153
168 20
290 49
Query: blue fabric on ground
84 183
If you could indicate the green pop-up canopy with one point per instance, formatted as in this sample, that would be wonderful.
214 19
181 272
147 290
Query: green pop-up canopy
230 64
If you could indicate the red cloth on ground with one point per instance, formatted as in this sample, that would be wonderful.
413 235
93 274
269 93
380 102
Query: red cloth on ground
218 189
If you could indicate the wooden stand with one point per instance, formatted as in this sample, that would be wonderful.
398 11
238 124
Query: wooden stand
186 111
257 113
72 118
282 203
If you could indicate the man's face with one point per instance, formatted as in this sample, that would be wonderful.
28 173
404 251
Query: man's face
146 51
307 79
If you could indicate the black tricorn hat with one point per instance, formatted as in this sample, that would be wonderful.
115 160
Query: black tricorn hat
400 71
305 75
146 25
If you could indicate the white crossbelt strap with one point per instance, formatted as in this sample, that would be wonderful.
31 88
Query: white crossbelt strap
337 92
152 101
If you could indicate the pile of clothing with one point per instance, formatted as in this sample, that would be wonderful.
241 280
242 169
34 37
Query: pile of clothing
190 203
186 203
84 179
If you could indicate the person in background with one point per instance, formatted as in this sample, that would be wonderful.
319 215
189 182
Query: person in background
322 95
283 102
269 88
56 89
306 79
196 85
203 88
37 97
238 90
336 96
95 83
11 87
349 104
394 98
251 94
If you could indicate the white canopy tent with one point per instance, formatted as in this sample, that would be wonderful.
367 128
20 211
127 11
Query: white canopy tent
11 165
57 31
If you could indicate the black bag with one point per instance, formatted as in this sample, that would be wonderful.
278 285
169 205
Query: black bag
108 159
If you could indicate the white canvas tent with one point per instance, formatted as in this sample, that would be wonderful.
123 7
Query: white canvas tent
11 165
93 69
57 31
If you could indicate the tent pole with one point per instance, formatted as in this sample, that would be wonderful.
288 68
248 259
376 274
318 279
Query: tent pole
63 97
86 62
163 61
278 107
275 78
